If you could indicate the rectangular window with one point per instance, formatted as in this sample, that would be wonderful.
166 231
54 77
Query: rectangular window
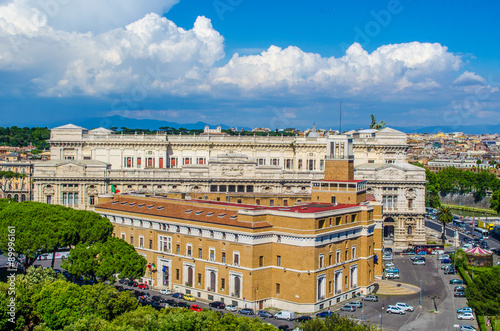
200 253
353 252
65 198
410 203
212 255
222 284
330 287
288 164
261 261
189 250
49 199
201 160
132 240
310 164
187 160
199 279
285 202
141 242
278 260
178 250
337 260
261 161
139 162
165 244
75 202
275 162
161 162
124 236
330 259
321 164
223 257
173 162
257 202
236 259
321 261
177 272
278 288
300 164
271 202
70 199
150 243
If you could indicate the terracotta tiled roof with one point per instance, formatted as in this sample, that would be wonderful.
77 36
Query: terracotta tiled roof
175 209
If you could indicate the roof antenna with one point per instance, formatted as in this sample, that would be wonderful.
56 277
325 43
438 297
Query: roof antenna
340 122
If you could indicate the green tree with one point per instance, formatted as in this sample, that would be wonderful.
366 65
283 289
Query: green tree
495 201
41 228
444 216
7 177
484 292
336 323
101 261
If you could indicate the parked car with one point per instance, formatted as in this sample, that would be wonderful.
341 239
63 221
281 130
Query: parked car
443 257
303 319
389 265
422 253
123 281
444 266
466 327
419 262
264 313
466 316
188 297
404 306
143 286
172 303
183 305
392 270
459 288
459 294
178 295
246 311
445 261
357 304
392 276
371 297
119 288
387 257
456 281
285 315
450 271
387 250
348 307
395 310
231 308
196 308
324 313
217 304
284 327
437 252
465 310
165 291
159 299
133 283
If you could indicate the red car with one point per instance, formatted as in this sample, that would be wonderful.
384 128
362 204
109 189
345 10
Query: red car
143 286
196 308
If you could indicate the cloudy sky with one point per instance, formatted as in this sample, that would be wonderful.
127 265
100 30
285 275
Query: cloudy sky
250 63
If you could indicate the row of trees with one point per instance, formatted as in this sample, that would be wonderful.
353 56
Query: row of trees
22 137
45 301
42 228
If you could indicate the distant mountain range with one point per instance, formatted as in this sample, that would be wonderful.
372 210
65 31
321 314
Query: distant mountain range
132 123
119 121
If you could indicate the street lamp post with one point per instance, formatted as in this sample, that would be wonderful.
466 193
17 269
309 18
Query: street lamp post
363 308
420 301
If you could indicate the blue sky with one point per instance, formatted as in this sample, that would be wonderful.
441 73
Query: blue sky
250 63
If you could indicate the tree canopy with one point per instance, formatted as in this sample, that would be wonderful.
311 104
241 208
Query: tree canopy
101 261
495 201
42 228
484 292
22 137
444 216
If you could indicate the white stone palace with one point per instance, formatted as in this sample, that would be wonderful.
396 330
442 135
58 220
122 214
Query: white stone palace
85 163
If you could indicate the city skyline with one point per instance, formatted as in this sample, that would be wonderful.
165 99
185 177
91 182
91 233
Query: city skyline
232 62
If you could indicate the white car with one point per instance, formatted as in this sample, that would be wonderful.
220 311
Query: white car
165 291
231 308
466 316
419 262
404 306
466 327
389 265
387 257
395 310
443 257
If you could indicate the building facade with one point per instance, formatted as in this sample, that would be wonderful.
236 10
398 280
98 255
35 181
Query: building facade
223 167
20 189
302 258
